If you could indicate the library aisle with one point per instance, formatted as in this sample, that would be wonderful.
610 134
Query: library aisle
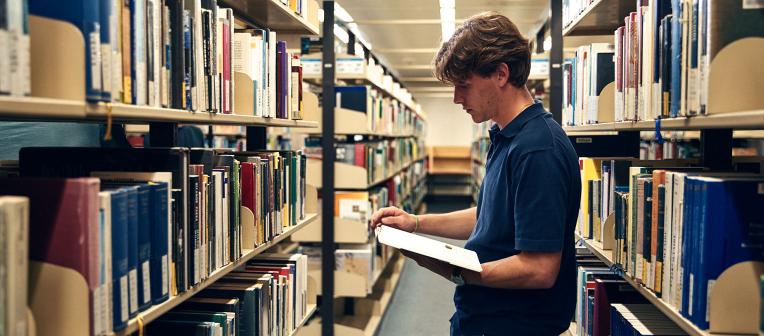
396 167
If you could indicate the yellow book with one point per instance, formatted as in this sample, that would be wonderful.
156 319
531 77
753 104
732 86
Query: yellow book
591 169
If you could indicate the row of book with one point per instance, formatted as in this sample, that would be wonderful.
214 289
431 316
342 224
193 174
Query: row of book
170 216
383 113
675 228
670 149
266 296
659 62
179 54
602 295
379 158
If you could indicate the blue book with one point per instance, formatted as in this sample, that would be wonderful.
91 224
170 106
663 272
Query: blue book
105 18
138 70
676 58
119 259
159 204
144 246
83 14
687 224
353 98
131 195
703 215
188 56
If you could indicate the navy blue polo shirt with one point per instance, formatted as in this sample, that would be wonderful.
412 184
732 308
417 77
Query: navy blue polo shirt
529 201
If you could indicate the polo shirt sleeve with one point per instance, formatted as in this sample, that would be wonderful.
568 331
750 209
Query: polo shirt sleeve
540 195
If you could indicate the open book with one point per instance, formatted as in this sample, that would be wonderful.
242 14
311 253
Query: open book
432 248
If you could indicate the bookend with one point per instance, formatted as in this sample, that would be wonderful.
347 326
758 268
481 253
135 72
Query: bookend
57 51
244 95
605 103
346 231
31 327
353 177
248 234
737 63
608 233
60 298
735 299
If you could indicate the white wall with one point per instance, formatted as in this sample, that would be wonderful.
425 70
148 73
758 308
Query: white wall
447 123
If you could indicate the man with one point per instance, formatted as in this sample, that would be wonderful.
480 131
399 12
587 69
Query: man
522 228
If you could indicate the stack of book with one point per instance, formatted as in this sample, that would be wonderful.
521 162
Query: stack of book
14 55
641 319
662 59
674 228
267 296
598 289
142 225
584 79
383 114
179 54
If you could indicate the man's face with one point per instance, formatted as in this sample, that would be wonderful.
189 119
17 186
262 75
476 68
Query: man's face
477 95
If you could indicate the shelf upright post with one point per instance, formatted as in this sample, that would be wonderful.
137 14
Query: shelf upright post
555 61
327 172
716 148
257 138
163 134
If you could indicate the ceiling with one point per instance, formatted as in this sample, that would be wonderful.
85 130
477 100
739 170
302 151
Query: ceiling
406 34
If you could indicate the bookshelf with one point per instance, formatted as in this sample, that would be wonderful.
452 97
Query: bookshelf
351 177
54 110
607 257
748 120
276 15
156 311
312 308
600 17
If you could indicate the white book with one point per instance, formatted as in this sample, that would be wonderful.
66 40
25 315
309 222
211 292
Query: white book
104 291
668 216
230 87
219 227
115 36
432 248
648 42
14 256
677 241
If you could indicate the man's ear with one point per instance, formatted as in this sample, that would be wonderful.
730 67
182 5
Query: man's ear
501 74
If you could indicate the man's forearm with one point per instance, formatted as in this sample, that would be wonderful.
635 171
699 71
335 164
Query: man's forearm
454 225
522 271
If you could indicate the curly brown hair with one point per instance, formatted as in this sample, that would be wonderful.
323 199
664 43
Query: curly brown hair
479 45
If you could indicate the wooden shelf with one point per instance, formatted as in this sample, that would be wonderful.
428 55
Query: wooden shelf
156 311
277 16
350 177
601 17
312 308
607 257
46 109
750 120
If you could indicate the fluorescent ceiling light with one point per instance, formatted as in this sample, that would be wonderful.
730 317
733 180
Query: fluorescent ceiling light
447 19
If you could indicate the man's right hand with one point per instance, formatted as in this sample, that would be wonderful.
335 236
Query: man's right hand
393 217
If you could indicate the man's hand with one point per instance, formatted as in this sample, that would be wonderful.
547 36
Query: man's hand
393 217
438 267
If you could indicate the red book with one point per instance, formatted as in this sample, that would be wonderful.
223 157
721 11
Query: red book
63 221
360 155
248 185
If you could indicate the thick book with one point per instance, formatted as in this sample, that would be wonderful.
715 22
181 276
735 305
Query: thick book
14 240
65 234
120 266
453 255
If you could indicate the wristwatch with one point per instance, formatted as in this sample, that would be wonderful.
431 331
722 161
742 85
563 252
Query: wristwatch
456 276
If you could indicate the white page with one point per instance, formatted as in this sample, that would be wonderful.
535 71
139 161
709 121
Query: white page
451 254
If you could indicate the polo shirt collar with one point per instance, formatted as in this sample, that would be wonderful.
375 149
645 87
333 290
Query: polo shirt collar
514 126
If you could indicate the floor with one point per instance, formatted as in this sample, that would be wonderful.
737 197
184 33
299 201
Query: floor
423 302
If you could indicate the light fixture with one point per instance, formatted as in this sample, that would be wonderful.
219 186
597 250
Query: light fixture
447 19
547 43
